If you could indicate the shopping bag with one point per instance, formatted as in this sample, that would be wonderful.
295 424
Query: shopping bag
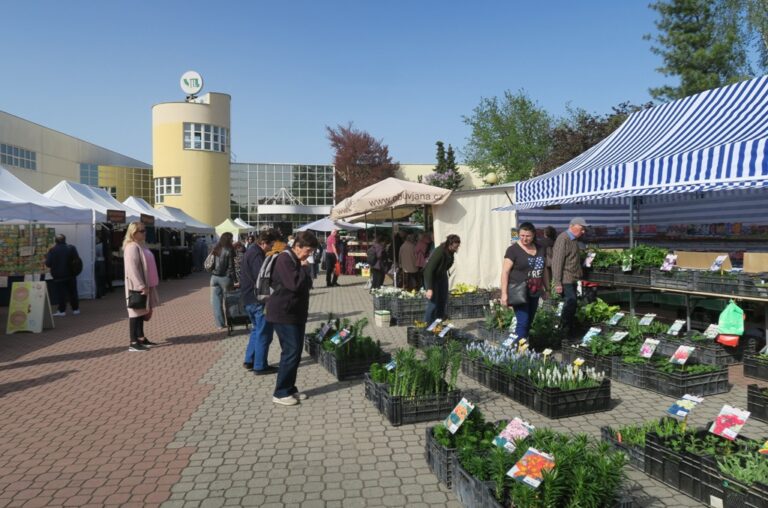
731 320
337 269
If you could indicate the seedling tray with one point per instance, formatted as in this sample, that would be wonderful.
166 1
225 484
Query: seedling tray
555 403
757 402
400 410
683 280
476 369
635 454
348 369
709 353
439 458
382 302
755 367
677 384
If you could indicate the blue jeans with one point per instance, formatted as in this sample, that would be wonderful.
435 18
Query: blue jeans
439 301
219 284
525 313
569 307
261 337
291 338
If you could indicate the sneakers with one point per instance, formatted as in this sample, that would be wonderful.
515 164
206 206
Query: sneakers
59 314
135 346
148 343
285 401
248 365
300 396
76 312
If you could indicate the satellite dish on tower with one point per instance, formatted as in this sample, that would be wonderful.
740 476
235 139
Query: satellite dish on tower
191 83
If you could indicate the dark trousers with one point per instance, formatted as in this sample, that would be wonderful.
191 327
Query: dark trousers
291 338
524 313
136 326
439 301
377 278
569 307
410 281
66 290
330 269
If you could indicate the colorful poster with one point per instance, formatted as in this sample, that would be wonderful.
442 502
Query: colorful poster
590 333
342 337
648 348
616 318
529 468
681 355
458 415
647 319
684 406
676 327
29 309
324 331
729 422
516 430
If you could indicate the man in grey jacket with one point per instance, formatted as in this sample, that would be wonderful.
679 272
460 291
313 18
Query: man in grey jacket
566 269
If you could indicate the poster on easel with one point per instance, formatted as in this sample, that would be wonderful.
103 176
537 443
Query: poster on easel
29 309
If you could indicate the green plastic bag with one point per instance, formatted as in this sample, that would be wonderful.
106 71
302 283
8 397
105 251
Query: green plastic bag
731 320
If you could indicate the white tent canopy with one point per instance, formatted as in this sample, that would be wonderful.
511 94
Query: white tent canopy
240 222
230 226
99 200
326 225
193 225
21 203
161 218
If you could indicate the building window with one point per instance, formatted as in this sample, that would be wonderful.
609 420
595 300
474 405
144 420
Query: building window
167 186
17 156
112 191
203 136
89 174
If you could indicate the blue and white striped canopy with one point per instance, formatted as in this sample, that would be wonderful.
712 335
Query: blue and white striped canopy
715 140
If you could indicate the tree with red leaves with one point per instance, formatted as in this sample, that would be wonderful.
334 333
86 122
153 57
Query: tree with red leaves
360 160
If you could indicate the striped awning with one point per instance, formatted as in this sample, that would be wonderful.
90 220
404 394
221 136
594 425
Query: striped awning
715 140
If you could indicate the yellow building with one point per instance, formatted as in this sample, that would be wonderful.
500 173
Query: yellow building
412 172
190 156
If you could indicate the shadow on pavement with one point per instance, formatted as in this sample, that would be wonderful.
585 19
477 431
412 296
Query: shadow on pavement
17 386
332 387
67 357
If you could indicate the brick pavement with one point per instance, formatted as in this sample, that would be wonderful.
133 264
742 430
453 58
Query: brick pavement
85 422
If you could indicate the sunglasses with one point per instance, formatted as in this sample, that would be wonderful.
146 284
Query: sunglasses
141 230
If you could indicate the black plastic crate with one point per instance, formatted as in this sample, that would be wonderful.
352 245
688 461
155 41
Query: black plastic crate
469 491
439 458
407 310
311 346
675 279
421 338
662 463
602 364
465 311
635 454
755 366
346 369
500 381
382 302
709 352
690 476
640 277
629 374
493 334
757 402
400 410
601 276
555 403
373 391
476 369
677 384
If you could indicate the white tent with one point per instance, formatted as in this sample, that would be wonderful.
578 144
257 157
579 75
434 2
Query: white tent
327 225
193 225
99 200
230 226
240 222
162 219
21 203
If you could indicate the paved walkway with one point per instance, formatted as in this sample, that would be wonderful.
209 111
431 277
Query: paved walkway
84 422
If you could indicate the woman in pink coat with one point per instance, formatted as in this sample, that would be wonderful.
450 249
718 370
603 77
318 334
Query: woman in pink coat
140 275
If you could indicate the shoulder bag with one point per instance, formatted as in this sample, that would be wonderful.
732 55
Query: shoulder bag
517 293
137 300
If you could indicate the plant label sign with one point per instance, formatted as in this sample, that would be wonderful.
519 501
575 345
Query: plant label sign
647 319
391 365
590 333
618 336
446 330
676 327
431 328
528 469
729 422
546 353
341 338
458 415
510 341
717 264
588 260
516 430
626 262
763 449
669 262
648 348
681 355
616 318
684 406
712 331
324 331
512 324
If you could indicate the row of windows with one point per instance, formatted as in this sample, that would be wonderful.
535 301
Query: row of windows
17 156
89 174
167 186
203 136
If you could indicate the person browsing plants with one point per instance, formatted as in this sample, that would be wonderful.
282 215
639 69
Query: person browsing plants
436 277
522 278
566 269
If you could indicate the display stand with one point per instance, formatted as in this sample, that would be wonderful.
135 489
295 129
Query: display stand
29 309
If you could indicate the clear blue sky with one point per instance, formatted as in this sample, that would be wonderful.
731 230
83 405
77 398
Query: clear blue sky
405 71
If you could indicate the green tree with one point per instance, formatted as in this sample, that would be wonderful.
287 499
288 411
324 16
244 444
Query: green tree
446 174
701 42
510 136
440 168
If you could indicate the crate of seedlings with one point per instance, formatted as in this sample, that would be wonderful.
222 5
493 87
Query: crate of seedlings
707 351
498 324
312 341
674 279
636 277
567 398
674 380
349 353
415 390
603 276
408 308
629 439
756 365
757 403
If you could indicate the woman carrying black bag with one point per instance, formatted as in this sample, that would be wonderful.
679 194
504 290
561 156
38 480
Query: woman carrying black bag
141 280
522 280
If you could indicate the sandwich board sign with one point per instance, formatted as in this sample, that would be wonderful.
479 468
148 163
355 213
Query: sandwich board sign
29 309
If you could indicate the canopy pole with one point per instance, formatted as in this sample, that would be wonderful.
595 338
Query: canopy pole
631 222
394 251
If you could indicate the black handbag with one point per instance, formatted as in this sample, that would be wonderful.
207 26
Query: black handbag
136 300
517 293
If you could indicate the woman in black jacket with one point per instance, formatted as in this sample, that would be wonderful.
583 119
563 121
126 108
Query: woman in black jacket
223 276
287 310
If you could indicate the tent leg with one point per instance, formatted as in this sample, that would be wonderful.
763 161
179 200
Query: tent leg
631 222
394 254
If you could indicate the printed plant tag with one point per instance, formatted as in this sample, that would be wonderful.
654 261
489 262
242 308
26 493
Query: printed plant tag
323 331
391 365
676 327
647 319
516 430
588 260
669 262
510 341
590 333
528 469
712 331
648 348
446 330
681 355
513 324
626 262
764 449
436 322
717 264
578 362
729 422
546 353
559 310
342 337
684 406
458 415
618 336
616 318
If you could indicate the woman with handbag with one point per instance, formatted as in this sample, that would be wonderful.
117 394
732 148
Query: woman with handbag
522 281
141 280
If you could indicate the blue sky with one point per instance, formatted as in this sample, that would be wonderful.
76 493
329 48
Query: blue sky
405 71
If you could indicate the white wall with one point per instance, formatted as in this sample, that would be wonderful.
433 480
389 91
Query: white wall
82 236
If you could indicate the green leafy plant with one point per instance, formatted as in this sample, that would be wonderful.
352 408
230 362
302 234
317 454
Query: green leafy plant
436 373
596 312
359 347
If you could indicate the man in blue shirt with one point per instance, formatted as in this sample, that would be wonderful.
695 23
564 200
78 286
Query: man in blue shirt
261 331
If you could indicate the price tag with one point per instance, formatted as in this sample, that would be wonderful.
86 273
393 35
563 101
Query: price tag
559 310
588 260
591 333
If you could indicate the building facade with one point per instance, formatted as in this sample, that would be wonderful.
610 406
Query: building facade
283 196
42 157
